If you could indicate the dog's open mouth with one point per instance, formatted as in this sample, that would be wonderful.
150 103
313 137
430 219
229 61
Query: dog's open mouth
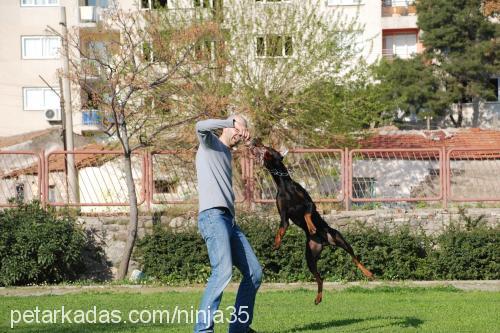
258 154
258 150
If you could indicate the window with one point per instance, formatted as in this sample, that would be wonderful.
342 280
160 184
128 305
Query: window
52 193
40 47
154 4
39 99
95 3
165 186
274 46
345 2
39 3
203 3
400 45
20 192
363 187
98 50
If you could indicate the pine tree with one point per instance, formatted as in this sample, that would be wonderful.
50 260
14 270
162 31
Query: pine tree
461 42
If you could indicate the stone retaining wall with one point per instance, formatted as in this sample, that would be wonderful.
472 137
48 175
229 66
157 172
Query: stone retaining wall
432 221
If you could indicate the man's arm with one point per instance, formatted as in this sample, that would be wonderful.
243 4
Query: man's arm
204 129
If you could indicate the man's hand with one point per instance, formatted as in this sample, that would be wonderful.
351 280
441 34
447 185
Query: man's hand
241 129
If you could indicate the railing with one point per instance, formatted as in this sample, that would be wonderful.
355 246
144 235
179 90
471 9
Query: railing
398 3
398 8
395 175
402 54
21 177
349 178
100 178
91 117
173 177
473 175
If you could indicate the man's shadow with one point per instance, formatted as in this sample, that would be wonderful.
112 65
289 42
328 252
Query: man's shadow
401 322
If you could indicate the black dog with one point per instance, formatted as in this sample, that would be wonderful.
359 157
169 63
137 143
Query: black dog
294 203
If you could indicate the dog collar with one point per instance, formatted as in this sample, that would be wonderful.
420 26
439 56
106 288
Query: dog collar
279 173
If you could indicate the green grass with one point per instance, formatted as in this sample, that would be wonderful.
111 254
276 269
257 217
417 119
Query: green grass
384 309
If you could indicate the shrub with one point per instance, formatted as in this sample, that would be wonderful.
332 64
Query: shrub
401 254
38 246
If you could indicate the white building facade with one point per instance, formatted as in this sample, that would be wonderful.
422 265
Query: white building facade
30 57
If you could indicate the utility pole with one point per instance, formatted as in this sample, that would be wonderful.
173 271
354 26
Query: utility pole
72 180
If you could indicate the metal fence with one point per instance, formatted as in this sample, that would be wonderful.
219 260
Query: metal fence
100 178
349 178
21 177
394 175
320 171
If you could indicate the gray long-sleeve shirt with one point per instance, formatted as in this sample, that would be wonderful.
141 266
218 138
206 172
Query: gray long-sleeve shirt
213 166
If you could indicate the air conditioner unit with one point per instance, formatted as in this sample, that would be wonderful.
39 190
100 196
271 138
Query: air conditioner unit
53 115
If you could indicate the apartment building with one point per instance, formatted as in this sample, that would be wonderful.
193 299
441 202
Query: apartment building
30 57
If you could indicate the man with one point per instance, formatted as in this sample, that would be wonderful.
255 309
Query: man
226 243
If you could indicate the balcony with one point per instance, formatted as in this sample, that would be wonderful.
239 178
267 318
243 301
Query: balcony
399 14
398 8
91 121
406 53
398 20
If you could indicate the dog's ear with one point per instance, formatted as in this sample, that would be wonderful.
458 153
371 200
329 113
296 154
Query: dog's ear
283 153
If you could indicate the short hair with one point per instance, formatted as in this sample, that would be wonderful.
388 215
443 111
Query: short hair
242 117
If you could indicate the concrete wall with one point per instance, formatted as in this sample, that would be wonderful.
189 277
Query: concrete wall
488 117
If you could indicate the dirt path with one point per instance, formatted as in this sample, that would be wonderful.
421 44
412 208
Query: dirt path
488 285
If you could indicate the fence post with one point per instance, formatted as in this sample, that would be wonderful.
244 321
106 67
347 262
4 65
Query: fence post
346 174
246 179
249 179
42 179
445 172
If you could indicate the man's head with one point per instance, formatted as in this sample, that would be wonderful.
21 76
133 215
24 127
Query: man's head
231 136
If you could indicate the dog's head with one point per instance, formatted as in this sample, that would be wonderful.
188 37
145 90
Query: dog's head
267 156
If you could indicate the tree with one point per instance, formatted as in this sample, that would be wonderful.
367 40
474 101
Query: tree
145 72
410 87
462 44
333 113
276 51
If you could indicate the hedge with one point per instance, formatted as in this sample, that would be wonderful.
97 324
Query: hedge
470 252
40 246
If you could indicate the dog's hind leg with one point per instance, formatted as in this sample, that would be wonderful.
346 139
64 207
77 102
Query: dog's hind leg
313 252
335 238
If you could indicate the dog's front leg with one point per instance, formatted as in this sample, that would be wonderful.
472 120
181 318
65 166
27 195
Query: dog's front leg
284 223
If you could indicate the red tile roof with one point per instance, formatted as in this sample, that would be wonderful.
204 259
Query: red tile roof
449 138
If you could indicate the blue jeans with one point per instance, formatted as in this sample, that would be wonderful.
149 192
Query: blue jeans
227 246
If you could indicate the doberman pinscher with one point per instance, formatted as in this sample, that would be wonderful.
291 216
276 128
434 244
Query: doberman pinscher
294 203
